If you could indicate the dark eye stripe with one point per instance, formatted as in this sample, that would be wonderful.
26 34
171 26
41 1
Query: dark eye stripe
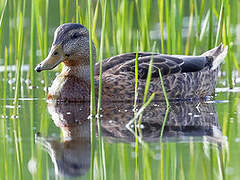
55 53
75 35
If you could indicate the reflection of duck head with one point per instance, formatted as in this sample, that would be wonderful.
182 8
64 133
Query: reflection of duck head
185 122
72 156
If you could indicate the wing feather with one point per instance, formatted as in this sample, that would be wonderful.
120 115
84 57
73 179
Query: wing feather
168 64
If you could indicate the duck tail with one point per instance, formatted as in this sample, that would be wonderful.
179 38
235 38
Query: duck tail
218 53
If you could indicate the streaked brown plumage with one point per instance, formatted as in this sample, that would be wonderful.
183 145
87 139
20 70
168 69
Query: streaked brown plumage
185 77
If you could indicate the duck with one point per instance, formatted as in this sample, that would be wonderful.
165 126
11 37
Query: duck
184 77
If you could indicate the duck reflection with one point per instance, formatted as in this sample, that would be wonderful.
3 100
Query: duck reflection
72 155
185 122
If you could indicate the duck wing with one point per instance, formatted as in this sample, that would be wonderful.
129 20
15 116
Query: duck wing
116 61
168 64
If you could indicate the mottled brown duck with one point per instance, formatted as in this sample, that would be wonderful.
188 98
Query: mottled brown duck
185 77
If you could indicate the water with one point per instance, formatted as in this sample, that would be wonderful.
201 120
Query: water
199 139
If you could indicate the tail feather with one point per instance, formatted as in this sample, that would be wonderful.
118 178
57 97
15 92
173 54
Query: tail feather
218 54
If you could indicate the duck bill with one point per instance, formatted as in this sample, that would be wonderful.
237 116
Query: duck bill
49 63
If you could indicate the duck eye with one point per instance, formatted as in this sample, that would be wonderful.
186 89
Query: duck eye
75 35
55 53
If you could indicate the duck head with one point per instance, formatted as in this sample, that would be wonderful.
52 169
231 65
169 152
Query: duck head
70 46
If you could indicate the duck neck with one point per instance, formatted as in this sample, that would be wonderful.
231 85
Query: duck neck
79 66
80 71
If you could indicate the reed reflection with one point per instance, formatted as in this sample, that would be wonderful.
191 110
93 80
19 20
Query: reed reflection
186 122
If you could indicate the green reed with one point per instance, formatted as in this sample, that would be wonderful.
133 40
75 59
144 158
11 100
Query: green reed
92 106
45 38
19 31
100 140
19 54
94 26
220 24
40 38
43 128
61 11
164 120
161 168
32 44
168 26
1 20
146 93
41 16
135 110
5 79
124 161
5 163
161 14
5 62
113 27
210 31
31 126
226 36
149 76
167 103
11 45
147 174
190 27
76 11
